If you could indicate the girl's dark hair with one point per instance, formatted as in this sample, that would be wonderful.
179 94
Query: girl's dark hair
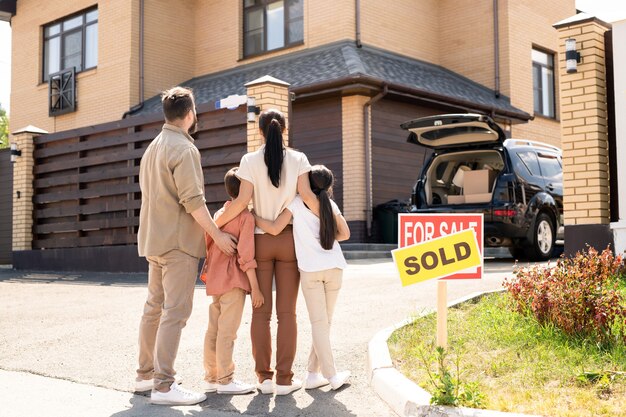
321 180
272 124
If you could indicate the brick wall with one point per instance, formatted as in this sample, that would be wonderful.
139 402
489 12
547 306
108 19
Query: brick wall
354 199
584 127
219 27
169 44
407 27
103 93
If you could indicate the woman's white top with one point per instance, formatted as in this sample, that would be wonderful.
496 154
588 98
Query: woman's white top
269 201
306 235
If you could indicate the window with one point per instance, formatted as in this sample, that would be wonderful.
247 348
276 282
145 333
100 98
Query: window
71 43
550 166
269 25
530 163
543 83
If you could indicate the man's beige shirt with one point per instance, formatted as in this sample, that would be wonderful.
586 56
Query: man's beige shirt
172 186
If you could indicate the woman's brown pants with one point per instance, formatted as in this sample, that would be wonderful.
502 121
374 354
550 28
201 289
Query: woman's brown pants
276 257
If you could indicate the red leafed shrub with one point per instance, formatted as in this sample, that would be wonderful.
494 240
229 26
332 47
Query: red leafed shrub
579 295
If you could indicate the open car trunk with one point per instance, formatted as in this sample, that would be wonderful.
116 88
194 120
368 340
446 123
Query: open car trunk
462 177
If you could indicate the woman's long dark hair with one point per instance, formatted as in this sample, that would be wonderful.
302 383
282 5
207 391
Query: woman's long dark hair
321 180
272 124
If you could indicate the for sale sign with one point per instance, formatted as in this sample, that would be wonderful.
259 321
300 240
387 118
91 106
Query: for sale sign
414 229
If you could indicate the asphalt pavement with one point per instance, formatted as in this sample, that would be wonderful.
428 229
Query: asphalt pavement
68 344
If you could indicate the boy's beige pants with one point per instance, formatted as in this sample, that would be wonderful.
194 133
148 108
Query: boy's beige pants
224 319
171 282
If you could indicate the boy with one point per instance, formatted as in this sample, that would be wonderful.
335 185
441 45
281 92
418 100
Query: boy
228 279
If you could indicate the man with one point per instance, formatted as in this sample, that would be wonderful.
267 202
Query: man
172 207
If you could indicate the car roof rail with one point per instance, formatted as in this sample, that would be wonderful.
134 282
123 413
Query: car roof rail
522 142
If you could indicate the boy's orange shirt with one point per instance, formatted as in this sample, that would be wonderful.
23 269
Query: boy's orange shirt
221 272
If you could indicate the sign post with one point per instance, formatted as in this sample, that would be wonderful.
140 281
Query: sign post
443 247
442 314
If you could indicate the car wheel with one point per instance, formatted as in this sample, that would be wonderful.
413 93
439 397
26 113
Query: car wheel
544 237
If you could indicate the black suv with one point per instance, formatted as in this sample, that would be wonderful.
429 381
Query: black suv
517 184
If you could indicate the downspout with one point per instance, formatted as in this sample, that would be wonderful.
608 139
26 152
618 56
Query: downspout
139 106
358 22
368 157
496 47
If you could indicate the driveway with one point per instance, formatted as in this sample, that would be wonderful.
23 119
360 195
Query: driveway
79 331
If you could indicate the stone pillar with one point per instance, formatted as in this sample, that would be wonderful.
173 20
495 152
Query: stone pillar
23 190
584 136
353 150
268 93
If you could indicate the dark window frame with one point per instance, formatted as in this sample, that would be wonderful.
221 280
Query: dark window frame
287 20
540 90
82 28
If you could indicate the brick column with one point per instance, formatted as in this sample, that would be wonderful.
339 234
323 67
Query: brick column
584 136
23 190
353 150
269 93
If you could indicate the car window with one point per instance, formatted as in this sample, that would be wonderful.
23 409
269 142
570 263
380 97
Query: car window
550 166
529 161
441 170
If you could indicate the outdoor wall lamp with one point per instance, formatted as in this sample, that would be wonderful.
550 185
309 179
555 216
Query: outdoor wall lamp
15 152
253 109
572 57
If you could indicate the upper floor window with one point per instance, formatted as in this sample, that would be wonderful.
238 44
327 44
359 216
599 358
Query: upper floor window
270 24
71 42
543 83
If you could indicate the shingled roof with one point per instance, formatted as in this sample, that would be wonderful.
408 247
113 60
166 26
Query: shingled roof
344 63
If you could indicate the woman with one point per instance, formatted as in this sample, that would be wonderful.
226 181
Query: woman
271 176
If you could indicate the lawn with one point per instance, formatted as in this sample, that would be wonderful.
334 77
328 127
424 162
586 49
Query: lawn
519 365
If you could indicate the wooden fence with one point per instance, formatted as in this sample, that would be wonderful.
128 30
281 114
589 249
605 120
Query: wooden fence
87 180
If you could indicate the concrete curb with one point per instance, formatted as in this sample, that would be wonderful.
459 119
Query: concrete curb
405 397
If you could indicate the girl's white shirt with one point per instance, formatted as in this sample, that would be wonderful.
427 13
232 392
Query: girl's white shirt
306 235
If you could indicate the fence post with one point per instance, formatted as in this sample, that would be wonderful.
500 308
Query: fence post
23 189
268 93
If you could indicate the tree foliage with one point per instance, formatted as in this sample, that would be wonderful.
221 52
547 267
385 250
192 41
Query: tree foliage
4 129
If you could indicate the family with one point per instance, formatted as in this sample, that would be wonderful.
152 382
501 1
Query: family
289 240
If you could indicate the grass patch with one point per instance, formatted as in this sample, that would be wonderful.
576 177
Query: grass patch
518 364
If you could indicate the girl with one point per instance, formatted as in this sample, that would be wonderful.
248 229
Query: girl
321 265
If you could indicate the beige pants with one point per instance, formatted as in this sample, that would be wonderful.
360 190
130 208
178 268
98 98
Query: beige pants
171 281
224 319
320 290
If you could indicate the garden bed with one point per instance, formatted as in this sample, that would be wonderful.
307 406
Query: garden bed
518 364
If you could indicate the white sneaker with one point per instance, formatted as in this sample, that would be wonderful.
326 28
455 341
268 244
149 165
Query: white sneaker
177 395
314 380
142 385
338 380
235 387
266 387
209 386
296 384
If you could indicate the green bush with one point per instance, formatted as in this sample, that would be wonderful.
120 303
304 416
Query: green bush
580 295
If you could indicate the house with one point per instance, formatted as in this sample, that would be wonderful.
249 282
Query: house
355 69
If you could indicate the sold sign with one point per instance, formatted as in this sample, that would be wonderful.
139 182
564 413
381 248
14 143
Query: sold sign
417 228
438 257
